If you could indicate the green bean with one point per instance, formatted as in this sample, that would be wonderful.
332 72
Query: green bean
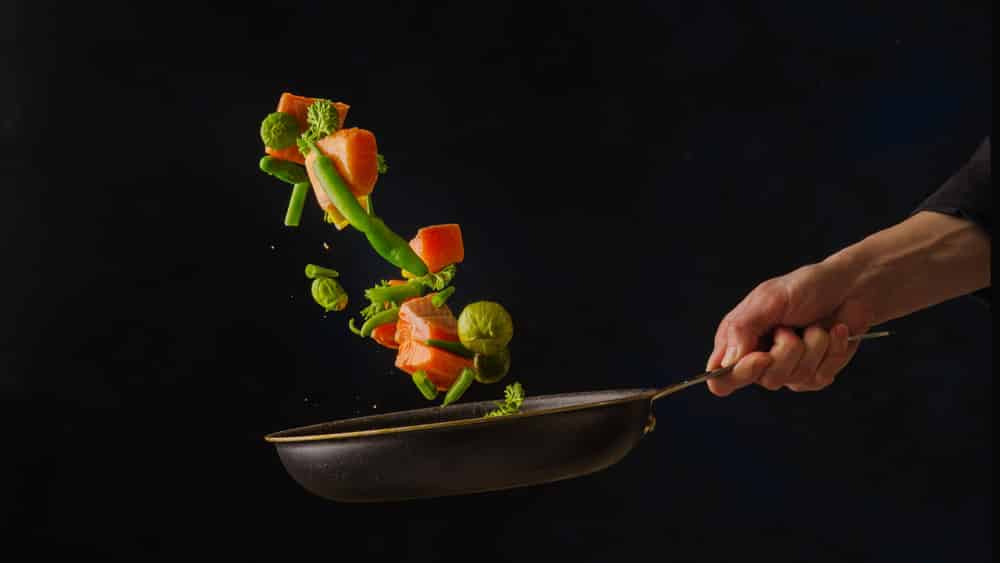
394 293
393 247
453 347
331 182
313 271
379 319
353 328
427 388
458 388
442 296
295 204
284 170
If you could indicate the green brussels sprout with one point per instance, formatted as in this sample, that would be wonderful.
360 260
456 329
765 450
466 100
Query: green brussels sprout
491 369
485 327
279 130
329 294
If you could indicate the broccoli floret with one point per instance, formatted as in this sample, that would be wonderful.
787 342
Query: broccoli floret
323 119
279 130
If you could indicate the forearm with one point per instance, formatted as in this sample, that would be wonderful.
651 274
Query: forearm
922 261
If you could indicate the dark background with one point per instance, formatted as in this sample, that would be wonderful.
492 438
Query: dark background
623 176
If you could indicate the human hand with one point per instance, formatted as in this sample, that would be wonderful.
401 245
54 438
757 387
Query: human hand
815 297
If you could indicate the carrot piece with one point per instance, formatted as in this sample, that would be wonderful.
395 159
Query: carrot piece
338 220
439 245
355 154
442 368
386 335
419 321
297 106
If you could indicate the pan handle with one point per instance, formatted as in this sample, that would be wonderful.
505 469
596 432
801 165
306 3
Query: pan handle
723 371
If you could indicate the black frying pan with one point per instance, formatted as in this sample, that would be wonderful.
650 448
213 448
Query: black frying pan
442 451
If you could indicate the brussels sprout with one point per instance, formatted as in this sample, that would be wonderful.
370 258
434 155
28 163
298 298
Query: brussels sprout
279 130
491 369
485 327
329 294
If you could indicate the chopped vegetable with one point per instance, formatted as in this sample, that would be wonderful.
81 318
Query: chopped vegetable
389 316
439 245
460 386
327 180
313 271
393 293
386 335
419 321
386 243
442 367
296 202
427 389
435 281
513 397
323 120
355 154
485 327
283 170
451 346
382 166
298 107
441 297
329 294
492 369
393 248
279 130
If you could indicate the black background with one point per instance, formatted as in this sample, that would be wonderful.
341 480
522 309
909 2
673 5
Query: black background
623 176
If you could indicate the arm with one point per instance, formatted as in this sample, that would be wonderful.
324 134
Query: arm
925 260
940 252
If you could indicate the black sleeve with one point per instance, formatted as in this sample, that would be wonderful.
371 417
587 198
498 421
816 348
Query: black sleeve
969 195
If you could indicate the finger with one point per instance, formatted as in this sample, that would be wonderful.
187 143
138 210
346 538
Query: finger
718 346
785 353
744 373
837 357
816 341
739 332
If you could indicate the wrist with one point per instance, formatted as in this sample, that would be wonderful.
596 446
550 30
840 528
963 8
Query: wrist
861 271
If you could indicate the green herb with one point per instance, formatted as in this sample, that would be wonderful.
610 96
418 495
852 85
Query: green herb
382 166
323 119
513 397
279 130
436 281
441 297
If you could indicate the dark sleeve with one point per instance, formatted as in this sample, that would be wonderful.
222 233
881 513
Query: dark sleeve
969 195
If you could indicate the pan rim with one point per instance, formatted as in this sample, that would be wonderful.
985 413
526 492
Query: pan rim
275 438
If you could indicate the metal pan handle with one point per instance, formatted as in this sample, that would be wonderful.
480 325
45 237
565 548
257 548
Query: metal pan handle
723 371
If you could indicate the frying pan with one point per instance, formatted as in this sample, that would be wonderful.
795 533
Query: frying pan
453 450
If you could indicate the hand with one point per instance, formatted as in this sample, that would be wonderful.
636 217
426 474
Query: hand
815 297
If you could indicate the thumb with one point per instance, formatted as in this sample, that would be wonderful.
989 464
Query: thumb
740 331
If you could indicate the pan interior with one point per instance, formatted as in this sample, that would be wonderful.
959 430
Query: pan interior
460 411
